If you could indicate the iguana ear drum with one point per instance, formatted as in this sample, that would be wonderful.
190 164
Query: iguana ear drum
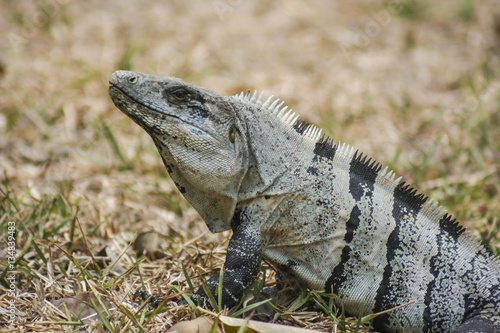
322 212
232 134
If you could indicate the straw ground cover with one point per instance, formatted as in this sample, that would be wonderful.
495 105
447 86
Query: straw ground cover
414 84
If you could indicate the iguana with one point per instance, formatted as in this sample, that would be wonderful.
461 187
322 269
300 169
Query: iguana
321 212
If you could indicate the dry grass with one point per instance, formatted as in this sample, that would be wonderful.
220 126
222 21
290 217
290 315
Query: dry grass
414 84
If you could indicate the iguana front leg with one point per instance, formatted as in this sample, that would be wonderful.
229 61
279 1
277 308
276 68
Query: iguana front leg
242 265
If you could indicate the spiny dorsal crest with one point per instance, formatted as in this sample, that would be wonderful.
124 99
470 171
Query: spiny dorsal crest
282 112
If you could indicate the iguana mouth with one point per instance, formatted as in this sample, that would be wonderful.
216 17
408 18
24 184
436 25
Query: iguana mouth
120 93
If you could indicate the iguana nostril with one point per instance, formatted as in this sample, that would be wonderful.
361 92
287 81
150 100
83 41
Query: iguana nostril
132 79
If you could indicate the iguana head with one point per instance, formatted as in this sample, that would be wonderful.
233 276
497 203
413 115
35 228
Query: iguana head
197 134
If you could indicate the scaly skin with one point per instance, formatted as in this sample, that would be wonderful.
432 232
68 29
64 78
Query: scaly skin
320 212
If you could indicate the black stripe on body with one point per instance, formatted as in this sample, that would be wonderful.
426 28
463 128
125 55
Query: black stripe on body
361 184
324 148
301 126
451 226
407 204
446 305
436 266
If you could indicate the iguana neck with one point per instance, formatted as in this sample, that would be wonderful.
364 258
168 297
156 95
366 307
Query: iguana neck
276 154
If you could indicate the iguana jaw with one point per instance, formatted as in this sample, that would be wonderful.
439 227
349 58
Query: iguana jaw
149 115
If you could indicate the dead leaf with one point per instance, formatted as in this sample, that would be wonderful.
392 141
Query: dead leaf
81 306
232 325
198 325
107 252
147 243
254 326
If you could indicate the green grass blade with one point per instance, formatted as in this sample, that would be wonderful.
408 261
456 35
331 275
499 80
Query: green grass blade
250 307
188 280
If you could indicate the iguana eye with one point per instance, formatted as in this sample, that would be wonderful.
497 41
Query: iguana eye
232 134
180 94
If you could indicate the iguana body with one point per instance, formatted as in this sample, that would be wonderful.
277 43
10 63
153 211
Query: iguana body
320 212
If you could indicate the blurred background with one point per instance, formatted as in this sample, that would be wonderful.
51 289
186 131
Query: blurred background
414 84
